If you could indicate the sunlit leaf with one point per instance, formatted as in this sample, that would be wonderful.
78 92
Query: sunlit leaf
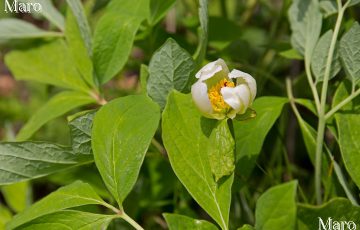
179 222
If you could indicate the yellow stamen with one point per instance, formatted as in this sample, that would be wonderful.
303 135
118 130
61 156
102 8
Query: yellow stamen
217 101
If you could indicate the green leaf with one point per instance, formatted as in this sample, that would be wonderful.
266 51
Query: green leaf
114 36
221 151
179 222
350 52
78 37
158 10
121 134
17 196
276 208
21 161
49 63
329 7
61 103
5 216
11 28
169 68
73 195
305 22
246 227
348 123
80 129
186 138
69 219
291 54
49 12
250 135
338 209
319 58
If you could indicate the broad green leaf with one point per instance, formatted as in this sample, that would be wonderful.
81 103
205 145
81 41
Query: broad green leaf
5 216
69 219
200 52
276 208
61 103
49 12
11 28
319 58
121 134
17 196
348 123
250 135
114 36
21 161
179 222
49 63
305 22
80 129
307 103
338 209
73 195
158 10
78 38
329 7
186 139
221 151
350 52
291 54
169 68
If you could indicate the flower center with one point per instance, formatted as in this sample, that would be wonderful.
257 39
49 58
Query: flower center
216 99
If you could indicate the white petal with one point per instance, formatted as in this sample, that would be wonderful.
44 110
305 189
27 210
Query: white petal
250 81
200 97
238 98
211 69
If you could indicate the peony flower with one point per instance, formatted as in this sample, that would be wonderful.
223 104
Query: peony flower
219 93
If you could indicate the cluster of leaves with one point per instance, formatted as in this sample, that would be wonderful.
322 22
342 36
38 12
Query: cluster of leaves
212 160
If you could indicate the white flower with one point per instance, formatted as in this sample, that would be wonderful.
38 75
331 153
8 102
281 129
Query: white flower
219 93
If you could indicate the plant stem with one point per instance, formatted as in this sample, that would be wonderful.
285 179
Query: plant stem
131 221
321 115
312 85
158 146
342 103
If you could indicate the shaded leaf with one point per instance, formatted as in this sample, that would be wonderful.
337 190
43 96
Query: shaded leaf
250 135
5 216
305 22
80 129
158 10
169 68
118 147
61 103
21 161
73 195
319 58
186 139
114 36
179 222
338 209
350 52
276 208
291 54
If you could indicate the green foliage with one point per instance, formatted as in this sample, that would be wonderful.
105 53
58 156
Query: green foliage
27 160
178 222
250 135
338 209
276 208
80 129
73 195
112 46
349 52
58 105
158 10
17 196
169 68
186 138
118 148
